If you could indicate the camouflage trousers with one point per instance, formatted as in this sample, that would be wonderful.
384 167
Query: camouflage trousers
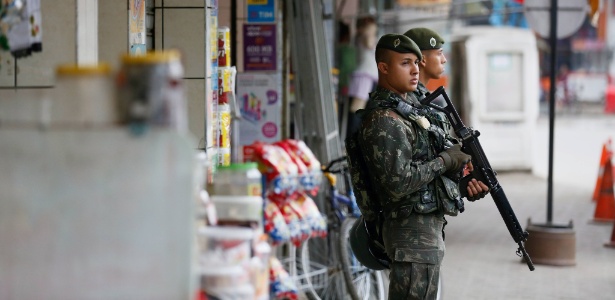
415 245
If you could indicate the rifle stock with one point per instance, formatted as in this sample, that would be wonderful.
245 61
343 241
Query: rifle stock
482 171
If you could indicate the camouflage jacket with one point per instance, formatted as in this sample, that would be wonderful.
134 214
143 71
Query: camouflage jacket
399 154
421 92
418 95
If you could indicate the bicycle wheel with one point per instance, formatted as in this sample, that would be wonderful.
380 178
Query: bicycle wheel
322 277
309 266
362 283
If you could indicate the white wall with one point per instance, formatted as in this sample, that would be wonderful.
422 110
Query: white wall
112 31
180 27
183 29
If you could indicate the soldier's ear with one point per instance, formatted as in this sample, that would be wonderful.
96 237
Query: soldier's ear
383 67
423 62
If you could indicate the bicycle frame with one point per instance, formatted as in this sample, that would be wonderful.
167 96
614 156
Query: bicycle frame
336 198
344 270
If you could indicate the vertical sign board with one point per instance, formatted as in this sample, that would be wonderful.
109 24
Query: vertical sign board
213 42
261 11
260 103
259 89
136 27
260 43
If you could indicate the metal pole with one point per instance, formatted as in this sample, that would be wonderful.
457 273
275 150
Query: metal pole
553 42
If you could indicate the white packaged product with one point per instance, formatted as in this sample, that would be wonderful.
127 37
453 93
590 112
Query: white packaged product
238 208
225 246
224 277
232 293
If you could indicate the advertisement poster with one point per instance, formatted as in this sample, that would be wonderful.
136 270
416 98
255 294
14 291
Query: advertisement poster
259 51
260 104
136 27
261 11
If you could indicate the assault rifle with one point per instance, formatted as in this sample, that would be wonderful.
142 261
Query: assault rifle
482 171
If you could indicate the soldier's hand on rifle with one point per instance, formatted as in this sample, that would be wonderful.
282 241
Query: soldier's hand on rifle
454 159
476 189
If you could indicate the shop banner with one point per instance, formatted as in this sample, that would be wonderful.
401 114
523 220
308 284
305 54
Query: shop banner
261 11
259 51
260 104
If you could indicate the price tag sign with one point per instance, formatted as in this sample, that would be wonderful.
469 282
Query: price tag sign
259 47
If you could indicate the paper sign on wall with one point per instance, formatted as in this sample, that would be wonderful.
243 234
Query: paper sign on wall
261 11
260 103
259 51
136 27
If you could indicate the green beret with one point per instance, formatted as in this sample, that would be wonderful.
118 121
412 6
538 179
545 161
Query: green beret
425 38
399 43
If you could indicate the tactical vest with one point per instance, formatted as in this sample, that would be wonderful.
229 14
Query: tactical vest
440 195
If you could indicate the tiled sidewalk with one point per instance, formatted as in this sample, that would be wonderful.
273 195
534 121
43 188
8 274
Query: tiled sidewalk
480 261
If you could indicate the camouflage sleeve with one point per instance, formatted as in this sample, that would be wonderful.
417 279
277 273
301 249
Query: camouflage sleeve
388 143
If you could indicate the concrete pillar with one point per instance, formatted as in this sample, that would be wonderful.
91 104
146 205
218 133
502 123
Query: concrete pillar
87 31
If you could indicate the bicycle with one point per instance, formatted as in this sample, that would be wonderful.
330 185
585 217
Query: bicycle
345 272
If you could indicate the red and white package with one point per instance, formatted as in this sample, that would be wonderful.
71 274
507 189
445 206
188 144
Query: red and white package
282 285
312 179
277 167
275 224
312 216
304 153
303 173
299 229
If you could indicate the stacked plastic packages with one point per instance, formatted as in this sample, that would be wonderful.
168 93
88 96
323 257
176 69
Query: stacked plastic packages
234 251
291 174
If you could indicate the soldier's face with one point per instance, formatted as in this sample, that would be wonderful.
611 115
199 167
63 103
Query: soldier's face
433 63
403 72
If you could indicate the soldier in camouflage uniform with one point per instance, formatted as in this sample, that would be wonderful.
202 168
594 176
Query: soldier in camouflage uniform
408 159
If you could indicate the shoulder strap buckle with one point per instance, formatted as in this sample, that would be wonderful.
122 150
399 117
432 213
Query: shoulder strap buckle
401 107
